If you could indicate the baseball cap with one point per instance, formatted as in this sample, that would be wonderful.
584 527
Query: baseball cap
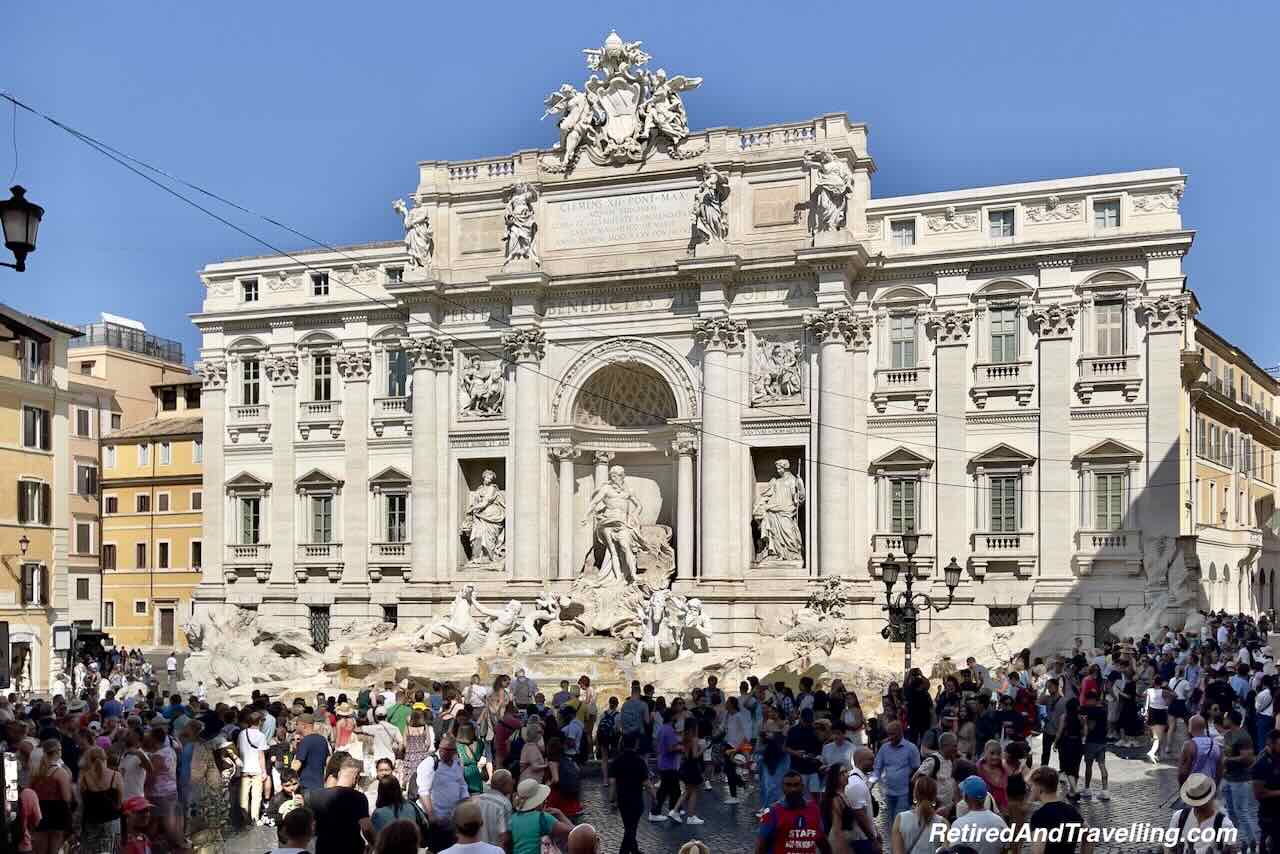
974 787
136 804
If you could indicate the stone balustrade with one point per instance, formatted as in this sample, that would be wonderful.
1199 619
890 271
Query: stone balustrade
885 544
319 552
1108 372
773 137
1093 545
1002 378
911 384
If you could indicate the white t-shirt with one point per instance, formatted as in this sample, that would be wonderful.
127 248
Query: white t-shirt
171 664
473 848
985 819
1155 699
1189 822
1222 635
1262 704
135 776
250 745
838 754
1181 688
858 795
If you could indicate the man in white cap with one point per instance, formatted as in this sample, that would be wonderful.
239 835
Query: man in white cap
1202 814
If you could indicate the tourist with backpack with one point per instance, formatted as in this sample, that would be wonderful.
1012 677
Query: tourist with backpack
1201 754
1202 815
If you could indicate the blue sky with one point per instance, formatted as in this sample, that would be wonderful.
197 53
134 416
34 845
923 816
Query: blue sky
316 114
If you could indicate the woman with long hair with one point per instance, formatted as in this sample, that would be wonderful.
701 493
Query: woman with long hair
419 742
855 722
51 782
837 818
992 770
391 805
691 775
565 781
507 726
475 768
399 837
1070 746
912 831
775 762
101 796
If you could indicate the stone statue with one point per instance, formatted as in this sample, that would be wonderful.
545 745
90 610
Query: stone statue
777 371
484 389
485 525
521 223
709 220
663 110
832 186
652 616
694 630
576 110
615 512
419 239
458 628
777 513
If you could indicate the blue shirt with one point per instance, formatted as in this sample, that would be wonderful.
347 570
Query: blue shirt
1240 685
895 765
112 709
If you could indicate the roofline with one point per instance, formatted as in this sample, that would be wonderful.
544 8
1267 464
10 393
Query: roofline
39 325
1079 182
1202 326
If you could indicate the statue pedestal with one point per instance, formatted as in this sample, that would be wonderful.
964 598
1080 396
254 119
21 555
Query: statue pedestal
842 237
711 249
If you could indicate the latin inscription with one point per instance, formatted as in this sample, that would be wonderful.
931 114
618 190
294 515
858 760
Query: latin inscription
605 302
610 220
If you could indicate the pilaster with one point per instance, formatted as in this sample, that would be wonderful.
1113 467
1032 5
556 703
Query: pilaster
428 355
833 329
525 347
213 399
564 457
684 448
721 421
1055 324
281 369
354 365
951 331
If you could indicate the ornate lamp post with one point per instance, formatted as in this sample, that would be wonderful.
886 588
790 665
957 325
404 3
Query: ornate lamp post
904 608
20 220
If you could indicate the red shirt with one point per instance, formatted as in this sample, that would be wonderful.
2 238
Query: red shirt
1090 691
792 831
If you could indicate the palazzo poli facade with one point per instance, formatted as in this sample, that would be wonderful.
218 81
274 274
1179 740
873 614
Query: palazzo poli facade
1000 369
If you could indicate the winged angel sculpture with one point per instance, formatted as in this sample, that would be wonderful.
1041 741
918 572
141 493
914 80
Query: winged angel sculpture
622 116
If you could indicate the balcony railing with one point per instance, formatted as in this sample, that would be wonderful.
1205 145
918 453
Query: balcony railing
114 335
882 545
1123 546
902 384
319 410
1003 547
1002 378
319 552
249 553
1108 372
390 407
250 413
391 553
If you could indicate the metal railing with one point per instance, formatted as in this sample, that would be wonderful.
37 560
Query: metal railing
103 334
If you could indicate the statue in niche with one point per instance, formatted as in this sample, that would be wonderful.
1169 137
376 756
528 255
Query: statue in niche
777 513
419 239
521 223
483 388
615 514
485 523
709 220
777 371
832 186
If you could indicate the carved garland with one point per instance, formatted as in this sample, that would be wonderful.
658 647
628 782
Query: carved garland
628 349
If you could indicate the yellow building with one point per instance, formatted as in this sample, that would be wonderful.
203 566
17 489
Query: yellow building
1231 505
152 502
34 498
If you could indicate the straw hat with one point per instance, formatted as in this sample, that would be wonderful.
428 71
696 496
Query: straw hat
694 846
1197 791
344 710
530 794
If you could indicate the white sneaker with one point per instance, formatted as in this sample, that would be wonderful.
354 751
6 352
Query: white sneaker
1103 796
656 817
675 816
731 801
693 819
706 785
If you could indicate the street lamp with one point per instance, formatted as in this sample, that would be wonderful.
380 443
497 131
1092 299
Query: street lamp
20 220
23 544
904 608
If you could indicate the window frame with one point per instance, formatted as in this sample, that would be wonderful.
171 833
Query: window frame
194 545
88 592
1108 304
321 523
108 613
903 336
91 488
993 213
87 414
1009 337
139 499
1121 479
86 525
1008 520
251 381
196 500
898 521
1110 203
164 554
322 377
40 428
320 284
895 239
242 515
144 454
389 523
166 454
141 555
164 502
249 291
197 451
108 556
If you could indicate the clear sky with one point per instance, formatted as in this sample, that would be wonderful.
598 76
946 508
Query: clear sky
316 113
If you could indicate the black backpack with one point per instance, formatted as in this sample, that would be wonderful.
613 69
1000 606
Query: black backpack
1181 824
514 749
570 779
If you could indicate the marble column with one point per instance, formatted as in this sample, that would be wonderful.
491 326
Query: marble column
282 371
718 335
427 355
860 346
525 348
355 365
213 400
951 335
602 460
1056 324
833 330
684 448
564 455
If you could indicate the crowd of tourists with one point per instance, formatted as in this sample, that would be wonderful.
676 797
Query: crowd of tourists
499 765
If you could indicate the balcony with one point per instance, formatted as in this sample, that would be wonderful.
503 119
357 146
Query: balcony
253 418
389 558
882 545
997 378
251 559
392 411
320 415
318 559
1017 548
911 384
1108 372
119 337
1097 546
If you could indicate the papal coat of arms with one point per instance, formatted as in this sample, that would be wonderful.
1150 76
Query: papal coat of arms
622 116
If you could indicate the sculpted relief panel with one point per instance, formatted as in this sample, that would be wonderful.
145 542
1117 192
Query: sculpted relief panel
775 370
482 388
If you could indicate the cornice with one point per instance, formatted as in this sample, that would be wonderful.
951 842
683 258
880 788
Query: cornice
997 417
1098 413
889 422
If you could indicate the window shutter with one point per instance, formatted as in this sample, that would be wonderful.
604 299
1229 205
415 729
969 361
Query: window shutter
46 434
1101 503
46 504
27 578
43 574
24 509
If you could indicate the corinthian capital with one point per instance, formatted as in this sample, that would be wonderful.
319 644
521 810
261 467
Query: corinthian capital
354 365
1055 319
213 374
525 345
719 333
1167 313
950 327
282 368
429 352
833 326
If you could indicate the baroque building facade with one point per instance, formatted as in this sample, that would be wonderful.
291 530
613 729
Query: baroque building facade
790 371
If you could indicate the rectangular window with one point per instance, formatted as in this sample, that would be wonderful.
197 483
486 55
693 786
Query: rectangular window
111 504
86 368
142 503
166 453
108 615
35 585
84 423
109 456
116 420
192 394
250 382
249 290
1106 214
197 451
84 538
1216 435
144 454
197 554
1002 617
1200 431
1108 501
82 590
168 399
903 233
162 502
1004 334
322 518
391 614
37 430
86 480
397 516
36 358
902 340
162 555
1000 223
35 502
1109 324
250 521
1004 504
197 499
1228 458
109 556
139 607
140 555
902 510
397 373
319 284
322 377
395 275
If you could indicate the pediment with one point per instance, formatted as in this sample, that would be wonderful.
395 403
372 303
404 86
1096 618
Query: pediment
245 480
901 457
317 479
1003 454
1109 450
391 476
